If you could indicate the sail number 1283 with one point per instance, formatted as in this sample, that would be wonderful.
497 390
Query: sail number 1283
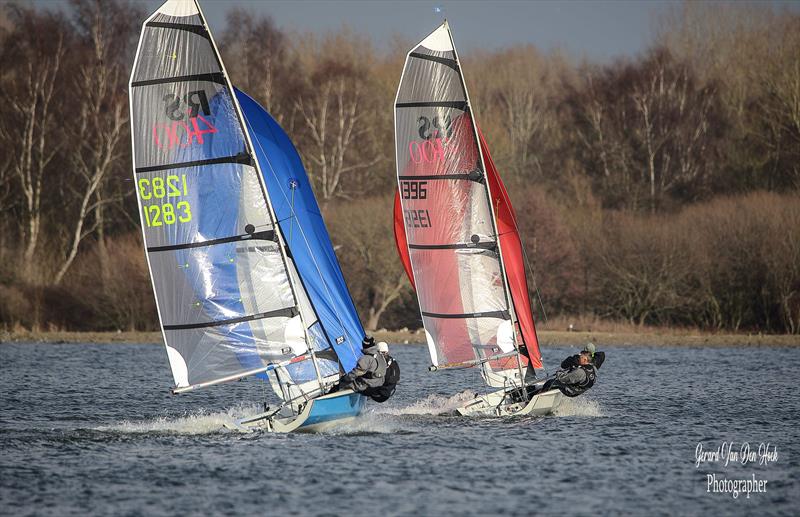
169 212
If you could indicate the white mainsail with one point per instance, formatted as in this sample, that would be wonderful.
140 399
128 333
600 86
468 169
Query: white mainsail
228 296
450 230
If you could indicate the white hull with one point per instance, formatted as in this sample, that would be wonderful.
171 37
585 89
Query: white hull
498 403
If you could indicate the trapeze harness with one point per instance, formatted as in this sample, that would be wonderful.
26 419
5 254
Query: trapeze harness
390 371
573 390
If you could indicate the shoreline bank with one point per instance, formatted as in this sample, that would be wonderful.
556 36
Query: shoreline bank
546 337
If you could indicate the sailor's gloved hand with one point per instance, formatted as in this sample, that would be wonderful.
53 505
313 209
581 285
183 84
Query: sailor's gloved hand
358 386
345 381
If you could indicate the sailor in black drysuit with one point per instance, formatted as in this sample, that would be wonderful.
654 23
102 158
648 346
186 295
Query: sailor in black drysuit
578 372
377 373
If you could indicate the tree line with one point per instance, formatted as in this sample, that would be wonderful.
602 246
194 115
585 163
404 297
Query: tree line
658 189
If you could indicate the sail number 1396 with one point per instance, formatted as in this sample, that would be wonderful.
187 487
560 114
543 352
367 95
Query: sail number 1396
165 211
414 189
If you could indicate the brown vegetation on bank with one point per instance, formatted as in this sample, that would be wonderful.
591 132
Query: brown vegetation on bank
622 335
656 190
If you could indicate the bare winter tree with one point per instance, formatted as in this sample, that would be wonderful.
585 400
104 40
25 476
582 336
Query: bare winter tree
335 113
99 131
750 50
643 270
333 116
31 131
5 205
598 142
363 230
777 109
256 54
516 90
647 126
672 124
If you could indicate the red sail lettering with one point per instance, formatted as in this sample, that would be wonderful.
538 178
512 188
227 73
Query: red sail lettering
197 132
429 151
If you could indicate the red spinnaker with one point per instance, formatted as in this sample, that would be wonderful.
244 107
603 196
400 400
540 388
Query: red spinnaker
400 239
513 258
510 243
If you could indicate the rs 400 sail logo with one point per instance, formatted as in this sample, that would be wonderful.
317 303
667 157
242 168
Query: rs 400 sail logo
180 132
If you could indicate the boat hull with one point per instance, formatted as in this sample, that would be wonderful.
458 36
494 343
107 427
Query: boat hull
319 414
498 404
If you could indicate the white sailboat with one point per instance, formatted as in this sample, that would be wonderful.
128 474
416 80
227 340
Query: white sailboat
458 239
244 274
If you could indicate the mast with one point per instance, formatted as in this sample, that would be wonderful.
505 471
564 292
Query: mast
278 233
506 289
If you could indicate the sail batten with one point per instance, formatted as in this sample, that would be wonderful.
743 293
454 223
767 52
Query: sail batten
240 158
475 176
441 60
456 246
180 26
286 312
268 235
491 314
459 105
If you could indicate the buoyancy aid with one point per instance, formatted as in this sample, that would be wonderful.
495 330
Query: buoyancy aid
387 389
573 390
380 369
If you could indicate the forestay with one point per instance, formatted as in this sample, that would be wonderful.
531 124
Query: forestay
229 299
447 233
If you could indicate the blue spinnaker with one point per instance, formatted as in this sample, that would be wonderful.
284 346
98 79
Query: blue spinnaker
303 228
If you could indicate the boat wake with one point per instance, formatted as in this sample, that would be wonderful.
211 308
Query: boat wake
376 420
195 423
388 419
431 405
578 406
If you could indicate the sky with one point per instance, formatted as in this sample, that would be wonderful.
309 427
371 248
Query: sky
599 30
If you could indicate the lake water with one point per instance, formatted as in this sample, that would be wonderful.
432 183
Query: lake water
92 429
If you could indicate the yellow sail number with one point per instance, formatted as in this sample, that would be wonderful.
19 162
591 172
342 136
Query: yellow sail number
172 186
165 213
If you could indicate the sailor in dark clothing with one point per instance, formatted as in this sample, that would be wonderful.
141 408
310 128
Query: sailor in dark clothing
589 350
578 372
376 374
390 378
